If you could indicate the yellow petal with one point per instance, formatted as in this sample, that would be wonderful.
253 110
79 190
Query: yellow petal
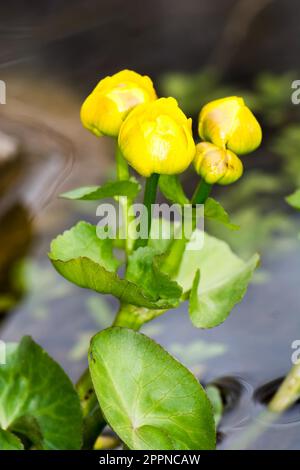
229 123
105 109
217 165
157 138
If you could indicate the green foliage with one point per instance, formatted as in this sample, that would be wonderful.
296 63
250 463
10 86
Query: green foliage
87 261
8 441
143 265
172 189
213 210
214 292
148 398
111 189
287 145
37 401
294 199
215 398
193 90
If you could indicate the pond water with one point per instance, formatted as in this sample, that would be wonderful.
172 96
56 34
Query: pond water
242 356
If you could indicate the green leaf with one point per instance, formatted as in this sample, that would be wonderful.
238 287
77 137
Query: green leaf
215 398
9 441
150 400
82 241
38 400
171 188
214 211
143 264
111 189
220 281
294 199
87 261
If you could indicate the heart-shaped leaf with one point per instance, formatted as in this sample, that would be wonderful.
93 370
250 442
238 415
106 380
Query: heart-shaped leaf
214 211
148 398
38 401
111 189
218 278
87 261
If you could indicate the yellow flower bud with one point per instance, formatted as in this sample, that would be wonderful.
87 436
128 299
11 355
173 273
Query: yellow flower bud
157 138
114 97
217 165
229 123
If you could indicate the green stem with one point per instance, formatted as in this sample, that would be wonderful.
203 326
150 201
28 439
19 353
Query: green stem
202 192
93 421
174 256
122 165
288 392
123 174
149 200
131 316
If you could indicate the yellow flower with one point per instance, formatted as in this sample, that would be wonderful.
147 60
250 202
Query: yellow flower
217 165
229 123
114 97
157 138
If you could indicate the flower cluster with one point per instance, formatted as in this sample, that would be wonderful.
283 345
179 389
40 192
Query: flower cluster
155 136
231 128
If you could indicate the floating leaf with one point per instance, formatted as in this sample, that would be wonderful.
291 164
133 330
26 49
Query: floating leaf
214 211
38 401
171 188
294 200
150 400
111 189
87 261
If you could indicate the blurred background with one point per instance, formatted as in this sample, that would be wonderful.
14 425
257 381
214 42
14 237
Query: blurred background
52 53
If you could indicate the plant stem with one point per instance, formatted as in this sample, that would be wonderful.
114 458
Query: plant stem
131 316
174 256
123 174
202 192
288 392
149 200
93 421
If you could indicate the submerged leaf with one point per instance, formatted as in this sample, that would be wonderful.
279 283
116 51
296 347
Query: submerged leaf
38 400
111 189
150 400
